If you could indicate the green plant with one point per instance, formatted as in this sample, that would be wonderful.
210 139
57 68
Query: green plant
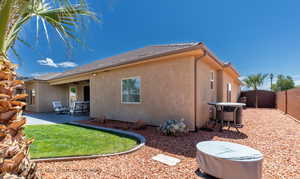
283 83
254 82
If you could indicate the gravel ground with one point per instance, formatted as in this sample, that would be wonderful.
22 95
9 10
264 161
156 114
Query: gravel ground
274 134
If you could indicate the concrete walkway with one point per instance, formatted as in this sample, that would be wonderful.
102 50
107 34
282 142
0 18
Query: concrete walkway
51 118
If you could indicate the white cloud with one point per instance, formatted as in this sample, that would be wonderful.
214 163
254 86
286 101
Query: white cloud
37 74
67 64
51 63
296 79
296 76
47 62
297 82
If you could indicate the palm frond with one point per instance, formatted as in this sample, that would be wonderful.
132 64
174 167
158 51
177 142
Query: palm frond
63 18
255 81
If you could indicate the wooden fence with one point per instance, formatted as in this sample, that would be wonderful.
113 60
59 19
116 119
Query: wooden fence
289 102
265 99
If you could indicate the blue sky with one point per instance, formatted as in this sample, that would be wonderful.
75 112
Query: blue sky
255 36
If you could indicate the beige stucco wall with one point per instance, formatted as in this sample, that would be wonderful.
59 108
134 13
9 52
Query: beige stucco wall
204 92
31 86
167 92
235 91
45 94
220 86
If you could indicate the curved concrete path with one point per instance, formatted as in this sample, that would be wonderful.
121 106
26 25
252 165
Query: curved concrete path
51 118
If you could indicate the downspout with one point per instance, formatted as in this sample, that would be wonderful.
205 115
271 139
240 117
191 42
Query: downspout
195 87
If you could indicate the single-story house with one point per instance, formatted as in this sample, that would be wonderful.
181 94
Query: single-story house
154 84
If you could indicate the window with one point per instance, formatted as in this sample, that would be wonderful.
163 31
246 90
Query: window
19 91
131 89
228 92
212 79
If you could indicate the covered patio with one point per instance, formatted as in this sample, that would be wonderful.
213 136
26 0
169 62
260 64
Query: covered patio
42 94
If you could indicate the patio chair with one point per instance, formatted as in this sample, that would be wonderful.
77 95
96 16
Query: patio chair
80 107
232 117
59 108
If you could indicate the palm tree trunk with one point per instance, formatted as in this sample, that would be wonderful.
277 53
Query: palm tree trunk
14 147
256 99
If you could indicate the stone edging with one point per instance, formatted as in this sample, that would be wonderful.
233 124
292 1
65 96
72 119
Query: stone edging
141 139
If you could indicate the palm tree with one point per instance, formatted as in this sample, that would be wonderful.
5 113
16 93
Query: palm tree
254 82
63 16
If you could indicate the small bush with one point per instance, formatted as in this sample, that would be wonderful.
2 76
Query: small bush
173 127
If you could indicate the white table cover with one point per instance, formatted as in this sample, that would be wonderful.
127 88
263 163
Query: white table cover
229 160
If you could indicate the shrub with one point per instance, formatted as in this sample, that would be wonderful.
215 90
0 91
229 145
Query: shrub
173 127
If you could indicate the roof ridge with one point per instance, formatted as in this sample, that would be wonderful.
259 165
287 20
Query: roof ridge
175 44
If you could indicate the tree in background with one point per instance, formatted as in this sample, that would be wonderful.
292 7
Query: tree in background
63 16
254 82
271 78
283 83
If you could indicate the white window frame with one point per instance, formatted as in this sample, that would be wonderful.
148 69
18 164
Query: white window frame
134 77
229 89
212 80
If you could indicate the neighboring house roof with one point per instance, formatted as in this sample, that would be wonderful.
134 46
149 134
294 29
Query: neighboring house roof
140 54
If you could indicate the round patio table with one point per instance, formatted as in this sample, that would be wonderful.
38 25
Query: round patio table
229 160
237 121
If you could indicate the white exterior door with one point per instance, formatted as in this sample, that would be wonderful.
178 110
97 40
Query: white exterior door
72 95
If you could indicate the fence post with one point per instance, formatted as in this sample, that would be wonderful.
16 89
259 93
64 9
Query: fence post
286 102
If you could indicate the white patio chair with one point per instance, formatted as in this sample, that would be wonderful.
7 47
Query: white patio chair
59 108
80 107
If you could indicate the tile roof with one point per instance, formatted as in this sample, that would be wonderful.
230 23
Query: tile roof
140 54
43 77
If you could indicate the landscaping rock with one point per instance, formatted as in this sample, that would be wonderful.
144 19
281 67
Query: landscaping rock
267 130
138 125
173 127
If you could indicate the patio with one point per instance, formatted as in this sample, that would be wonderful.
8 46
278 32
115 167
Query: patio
268 130
51 118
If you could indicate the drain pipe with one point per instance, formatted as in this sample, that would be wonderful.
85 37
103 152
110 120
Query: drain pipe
195 87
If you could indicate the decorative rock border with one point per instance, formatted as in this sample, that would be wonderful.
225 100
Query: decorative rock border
141 139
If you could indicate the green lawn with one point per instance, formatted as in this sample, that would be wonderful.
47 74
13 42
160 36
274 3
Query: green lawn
68 140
